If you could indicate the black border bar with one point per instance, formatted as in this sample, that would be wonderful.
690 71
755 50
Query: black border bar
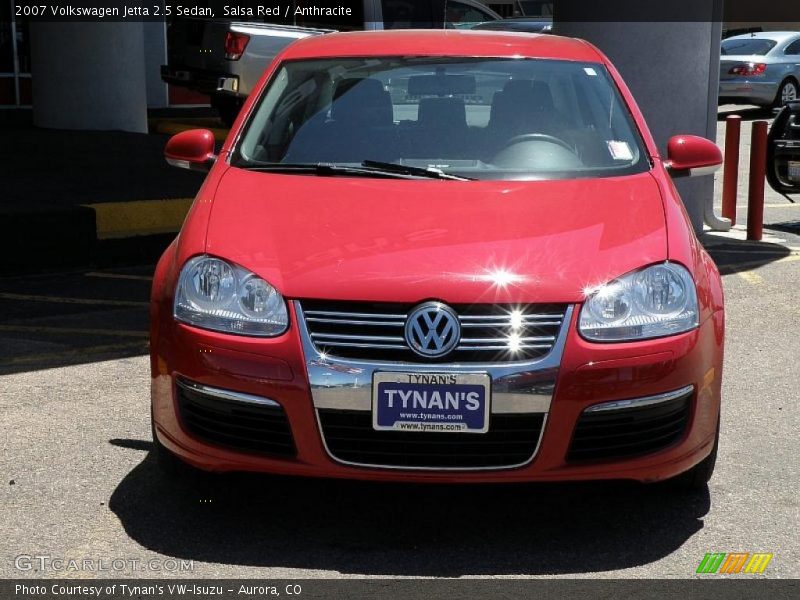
732 11
707 588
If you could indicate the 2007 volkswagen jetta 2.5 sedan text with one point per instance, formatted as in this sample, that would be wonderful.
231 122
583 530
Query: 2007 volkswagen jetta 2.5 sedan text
439 256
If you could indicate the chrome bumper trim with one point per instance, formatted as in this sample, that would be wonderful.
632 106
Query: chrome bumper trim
225 394
644 401
360 398
346 384
228 84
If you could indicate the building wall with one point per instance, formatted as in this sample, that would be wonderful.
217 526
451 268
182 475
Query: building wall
78 87
155 55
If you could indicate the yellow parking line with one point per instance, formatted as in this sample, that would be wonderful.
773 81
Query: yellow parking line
73 330
750 277
60 300
786 204
204 122
728 269
139 217
118 276
776 253
173 127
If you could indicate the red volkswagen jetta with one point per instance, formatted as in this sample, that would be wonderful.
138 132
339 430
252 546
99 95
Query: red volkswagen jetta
439 256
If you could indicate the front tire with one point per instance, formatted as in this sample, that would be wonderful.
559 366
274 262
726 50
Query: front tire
787 92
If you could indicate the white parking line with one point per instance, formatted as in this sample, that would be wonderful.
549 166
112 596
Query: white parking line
74 330
76 355
119 276
60 300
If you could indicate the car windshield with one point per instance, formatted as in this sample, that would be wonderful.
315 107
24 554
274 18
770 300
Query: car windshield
469 117
747 47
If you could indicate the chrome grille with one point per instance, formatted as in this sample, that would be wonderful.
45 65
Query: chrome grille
489 332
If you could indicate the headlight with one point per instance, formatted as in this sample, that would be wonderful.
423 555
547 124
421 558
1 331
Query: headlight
217 295
654 302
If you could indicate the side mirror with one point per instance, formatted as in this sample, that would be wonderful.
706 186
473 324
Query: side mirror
691 155
193 149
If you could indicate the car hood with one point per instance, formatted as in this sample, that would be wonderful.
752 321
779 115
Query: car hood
459 242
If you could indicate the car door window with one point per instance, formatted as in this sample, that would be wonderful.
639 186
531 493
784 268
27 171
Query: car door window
793 49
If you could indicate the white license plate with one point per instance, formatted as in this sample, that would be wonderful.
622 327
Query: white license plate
435 402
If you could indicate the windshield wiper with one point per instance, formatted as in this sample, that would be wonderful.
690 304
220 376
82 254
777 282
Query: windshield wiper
324 170
429 172
367 169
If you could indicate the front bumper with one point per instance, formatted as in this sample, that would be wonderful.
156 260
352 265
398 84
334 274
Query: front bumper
585 375
747 91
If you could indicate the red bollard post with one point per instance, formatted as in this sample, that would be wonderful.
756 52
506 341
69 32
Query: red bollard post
730 181
758 170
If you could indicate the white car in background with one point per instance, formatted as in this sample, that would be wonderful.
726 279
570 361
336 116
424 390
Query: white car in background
760 68
224 58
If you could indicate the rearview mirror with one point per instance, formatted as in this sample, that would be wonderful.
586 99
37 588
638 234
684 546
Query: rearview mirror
193 149
691 155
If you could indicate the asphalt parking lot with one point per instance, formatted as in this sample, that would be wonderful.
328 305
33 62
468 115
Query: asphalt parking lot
79 481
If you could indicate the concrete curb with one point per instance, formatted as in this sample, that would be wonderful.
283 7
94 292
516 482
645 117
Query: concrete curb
139 217
54 237
173 126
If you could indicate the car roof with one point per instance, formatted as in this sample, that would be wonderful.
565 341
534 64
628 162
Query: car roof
436 42
778 36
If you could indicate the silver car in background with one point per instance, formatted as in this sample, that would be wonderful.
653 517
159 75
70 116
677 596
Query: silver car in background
760 68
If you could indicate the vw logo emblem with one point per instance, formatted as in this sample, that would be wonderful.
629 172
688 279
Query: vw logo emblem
432 329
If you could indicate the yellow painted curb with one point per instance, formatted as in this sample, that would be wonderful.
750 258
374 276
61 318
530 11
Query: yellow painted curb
177 126
139 217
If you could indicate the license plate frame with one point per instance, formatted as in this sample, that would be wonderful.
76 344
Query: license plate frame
420 412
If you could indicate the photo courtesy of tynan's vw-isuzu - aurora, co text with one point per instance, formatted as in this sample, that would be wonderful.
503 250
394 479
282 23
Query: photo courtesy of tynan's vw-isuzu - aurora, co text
444 256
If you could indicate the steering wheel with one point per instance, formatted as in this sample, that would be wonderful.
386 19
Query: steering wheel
540 137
